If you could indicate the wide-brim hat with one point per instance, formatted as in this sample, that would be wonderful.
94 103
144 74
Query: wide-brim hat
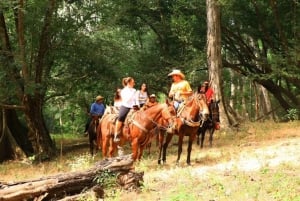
99 98
152 96
177 72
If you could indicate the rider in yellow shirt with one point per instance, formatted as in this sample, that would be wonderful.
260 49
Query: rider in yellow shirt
180 89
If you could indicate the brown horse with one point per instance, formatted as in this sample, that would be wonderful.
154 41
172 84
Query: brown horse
189 117
211 124
144 121
136 129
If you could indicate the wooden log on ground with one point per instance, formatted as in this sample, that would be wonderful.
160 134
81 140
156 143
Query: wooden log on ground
63 185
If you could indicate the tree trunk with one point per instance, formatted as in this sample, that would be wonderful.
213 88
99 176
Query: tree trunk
38 134
11 146
63 185
214 59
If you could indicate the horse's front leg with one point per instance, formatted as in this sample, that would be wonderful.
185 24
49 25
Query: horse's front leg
211 133
140 153
134 147
203 131
91 141
160 145
165 146
189 149
104 147
180 141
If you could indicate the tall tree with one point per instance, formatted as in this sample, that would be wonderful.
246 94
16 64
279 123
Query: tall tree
27 68
214 58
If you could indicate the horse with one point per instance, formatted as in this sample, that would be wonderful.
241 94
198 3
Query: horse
158 116
211 124
190 114
136 129
92 133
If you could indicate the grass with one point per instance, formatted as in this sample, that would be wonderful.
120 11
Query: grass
258 162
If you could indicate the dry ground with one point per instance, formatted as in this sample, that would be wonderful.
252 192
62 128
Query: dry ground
260 161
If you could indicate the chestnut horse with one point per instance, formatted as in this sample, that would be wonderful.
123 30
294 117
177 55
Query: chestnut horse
136 128
211 124
189 117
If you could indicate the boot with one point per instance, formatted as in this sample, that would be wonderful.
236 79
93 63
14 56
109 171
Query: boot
118 128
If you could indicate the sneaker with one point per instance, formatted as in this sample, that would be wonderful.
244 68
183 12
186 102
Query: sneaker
120 151
169 130
116 139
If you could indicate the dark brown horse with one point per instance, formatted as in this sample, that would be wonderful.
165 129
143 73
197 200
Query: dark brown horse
92 133
211 124
188 120
136 129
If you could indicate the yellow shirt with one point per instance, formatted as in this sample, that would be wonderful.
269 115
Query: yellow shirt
178 87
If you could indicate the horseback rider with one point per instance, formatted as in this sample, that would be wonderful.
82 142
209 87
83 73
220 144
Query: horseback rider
96 112
208 91
180 88
150 102
129 101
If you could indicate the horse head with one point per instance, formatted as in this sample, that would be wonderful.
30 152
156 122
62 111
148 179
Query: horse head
214 111
193 110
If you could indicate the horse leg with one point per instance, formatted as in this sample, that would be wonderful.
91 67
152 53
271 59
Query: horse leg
180 141
189 149
140 153
134 147
165 146
99 137
104 147
198 134
160 145
203 131
91 144
112 147
211 133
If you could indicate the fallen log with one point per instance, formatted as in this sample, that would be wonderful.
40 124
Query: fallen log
70 184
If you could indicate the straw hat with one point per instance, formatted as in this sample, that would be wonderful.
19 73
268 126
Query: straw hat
177 72
99 98
152 96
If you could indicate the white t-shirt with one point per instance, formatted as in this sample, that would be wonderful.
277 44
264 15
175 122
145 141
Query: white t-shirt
129 97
